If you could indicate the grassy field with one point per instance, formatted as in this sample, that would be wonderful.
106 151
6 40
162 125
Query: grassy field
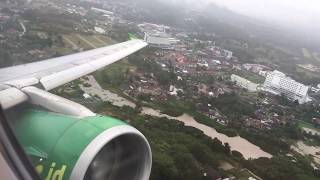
87 41
303 124
113 71
308 74
105 39
252 77
75 42
119 67
64 50
309 128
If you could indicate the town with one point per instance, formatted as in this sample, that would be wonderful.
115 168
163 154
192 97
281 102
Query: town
180 72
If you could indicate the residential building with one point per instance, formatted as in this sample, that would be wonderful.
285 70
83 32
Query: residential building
228 54
99 30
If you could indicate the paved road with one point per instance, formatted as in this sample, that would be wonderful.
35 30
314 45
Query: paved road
23 28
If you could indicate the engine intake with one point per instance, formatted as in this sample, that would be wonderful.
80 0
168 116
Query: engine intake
91 148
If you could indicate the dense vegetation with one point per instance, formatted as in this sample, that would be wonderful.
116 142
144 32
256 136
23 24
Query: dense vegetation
185 153
181 152
5 59
283 168
232 105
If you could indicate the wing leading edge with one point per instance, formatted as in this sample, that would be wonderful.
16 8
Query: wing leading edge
55 72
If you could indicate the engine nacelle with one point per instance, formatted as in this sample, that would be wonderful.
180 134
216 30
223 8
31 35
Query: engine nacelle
95 148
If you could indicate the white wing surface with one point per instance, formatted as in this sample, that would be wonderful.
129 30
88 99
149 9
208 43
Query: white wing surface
52 73
58 71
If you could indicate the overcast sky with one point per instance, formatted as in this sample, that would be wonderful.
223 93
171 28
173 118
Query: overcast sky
304 13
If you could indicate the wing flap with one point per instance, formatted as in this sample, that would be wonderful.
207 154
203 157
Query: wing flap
11 97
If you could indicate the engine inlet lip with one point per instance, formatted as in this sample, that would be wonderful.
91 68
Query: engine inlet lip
94 147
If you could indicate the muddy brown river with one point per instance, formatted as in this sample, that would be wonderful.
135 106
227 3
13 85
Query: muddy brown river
247 149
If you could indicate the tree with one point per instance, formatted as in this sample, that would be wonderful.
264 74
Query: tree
138 107
180 94
5 59
217 145
237 154
227 148
163 78
261 95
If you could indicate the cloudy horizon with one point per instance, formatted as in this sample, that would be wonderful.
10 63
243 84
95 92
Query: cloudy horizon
303 14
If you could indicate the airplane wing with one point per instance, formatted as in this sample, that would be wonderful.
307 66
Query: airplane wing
55 72
46 133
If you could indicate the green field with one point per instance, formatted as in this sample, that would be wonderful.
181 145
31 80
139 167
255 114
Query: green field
86 41
75 42
112 76
251 77
307 73
105 39
303 124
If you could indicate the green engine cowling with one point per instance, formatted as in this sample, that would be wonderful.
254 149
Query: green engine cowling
98 147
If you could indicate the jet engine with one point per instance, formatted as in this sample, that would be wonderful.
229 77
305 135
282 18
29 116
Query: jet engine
89 148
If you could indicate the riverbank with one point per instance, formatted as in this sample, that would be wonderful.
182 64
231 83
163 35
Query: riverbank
237 143
304 149
247 149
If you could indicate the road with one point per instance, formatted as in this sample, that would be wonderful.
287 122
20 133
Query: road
23 28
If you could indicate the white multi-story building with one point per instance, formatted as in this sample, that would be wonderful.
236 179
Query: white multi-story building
153 28
103 11
278 83
244 83
161 40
